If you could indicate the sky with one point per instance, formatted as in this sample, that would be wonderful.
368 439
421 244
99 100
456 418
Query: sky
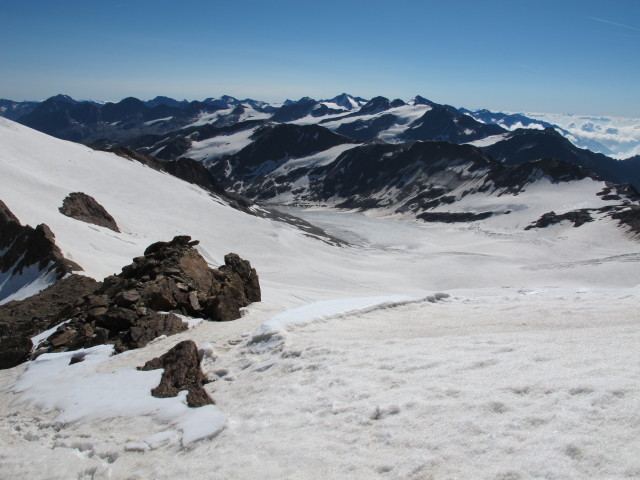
560 56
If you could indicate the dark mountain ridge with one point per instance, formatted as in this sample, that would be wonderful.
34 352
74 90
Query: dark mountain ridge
524 145
273 145
167 128
446 123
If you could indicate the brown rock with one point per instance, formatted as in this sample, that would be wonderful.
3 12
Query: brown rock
117 319
248 276
85 208
181 372
127 298
96 312
62 336
14 351
196 269
193 302
152 326
161 295
238 286
98 301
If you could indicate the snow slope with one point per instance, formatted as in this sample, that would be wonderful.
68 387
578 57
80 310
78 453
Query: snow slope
352 366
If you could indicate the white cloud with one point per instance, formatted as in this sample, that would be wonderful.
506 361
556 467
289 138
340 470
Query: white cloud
621 135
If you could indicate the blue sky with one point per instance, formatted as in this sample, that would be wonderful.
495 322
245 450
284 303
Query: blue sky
560 56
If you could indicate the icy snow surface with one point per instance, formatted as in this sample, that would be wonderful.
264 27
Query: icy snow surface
352 366
82 392
490 140
220 145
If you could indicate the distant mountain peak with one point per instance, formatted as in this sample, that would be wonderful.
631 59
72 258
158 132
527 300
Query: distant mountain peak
346 100
420 100
62 98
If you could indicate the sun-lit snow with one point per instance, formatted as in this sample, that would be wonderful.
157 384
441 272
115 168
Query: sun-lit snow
317 159
158 120
205 118
80 392
405 115
485 142
220 145
526 369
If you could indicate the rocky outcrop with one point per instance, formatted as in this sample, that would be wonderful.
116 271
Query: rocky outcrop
127 311
21 320
577 217
629 217
85 208
25 248
453 217
626 214
182 371
174 276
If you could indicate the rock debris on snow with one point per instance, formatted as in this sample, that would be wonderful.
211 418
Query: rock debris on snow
182 371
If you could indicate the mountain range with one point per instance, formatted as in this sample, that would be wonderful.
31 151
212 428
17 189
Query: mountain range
217 130
415 261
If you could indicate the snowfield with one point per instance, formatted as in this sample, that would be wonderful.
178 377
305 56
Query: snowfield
418 351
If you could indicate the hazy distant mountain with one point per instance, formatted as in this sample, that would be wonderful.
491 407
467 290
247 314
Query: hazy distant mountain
14 110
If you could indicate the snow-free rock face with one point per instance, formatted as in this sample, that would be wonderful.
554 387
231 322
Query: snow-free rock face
182 371
28 254
85 208
170 277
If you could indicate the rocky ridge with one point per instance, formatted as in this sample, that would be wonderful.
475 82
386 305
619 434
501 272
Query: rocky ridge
23 248
141 303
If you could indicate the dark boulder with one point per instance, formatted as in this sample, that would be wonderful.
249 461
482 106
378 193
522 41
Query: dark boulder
14 351
85 208
182 371
237 287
